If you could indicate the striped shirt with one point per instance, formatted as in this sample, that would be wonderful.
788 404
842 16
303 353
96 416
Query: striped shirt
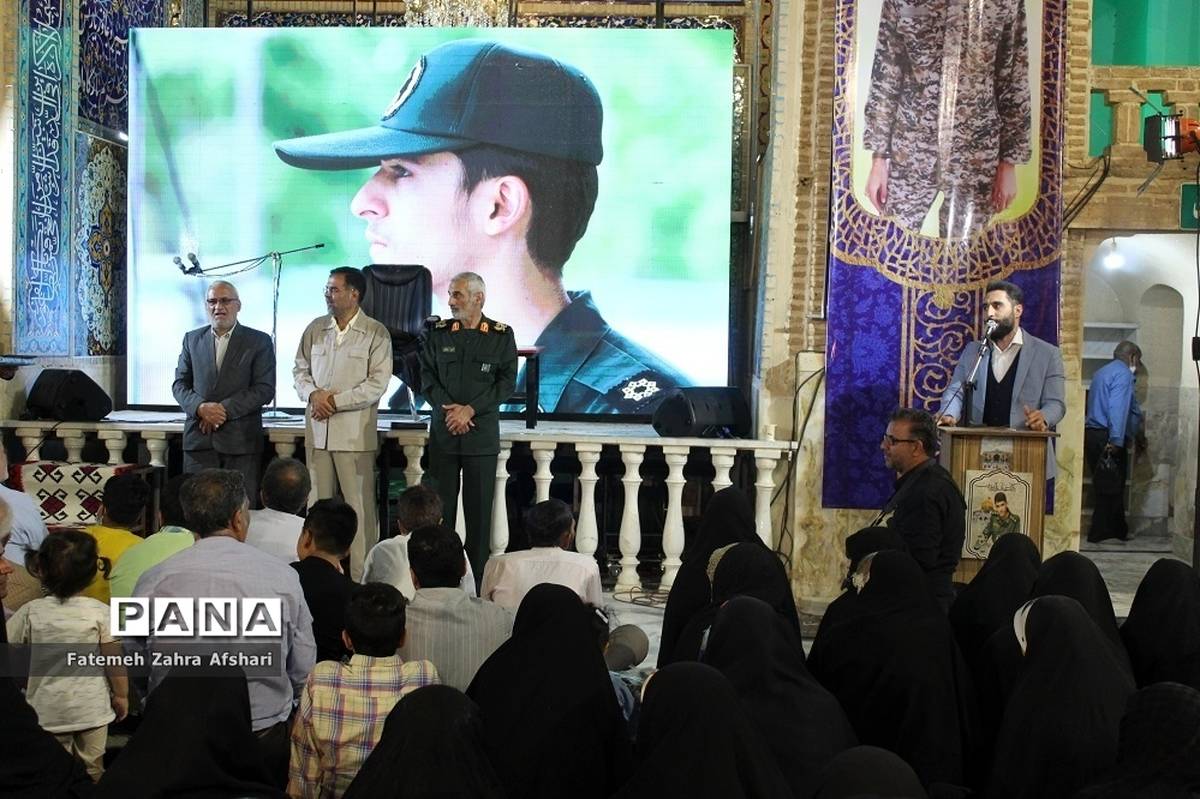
455 631
340 718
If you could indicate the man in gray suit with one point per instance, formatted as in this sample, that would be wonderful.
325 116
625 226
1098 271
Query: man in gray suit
1020 383
226 373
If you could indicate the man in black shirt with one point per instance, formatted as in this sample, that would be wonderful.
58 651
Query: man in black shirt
927 509
324 545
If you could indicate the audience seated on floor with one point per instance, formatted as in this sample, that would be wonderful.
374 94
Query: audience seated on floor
551 527
173 535
126 499
553 725
221 564
454 630
869 771
329 530
275 529
76 709
22 587
387 562
727 519
1162 631
28 527
196 740
344 705
434 745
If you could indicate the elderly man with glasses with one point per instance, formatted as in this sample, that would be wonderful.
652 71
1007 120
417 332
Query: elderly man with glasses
226 373
927 509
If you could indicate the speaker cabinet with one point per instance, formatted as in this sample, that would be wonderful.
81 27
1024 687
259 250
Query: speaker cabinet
704 412
67 395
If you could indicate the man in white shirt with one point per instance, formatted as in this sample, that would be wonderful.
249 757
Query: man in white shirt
446 625
28 527
387 562
507 578
276 528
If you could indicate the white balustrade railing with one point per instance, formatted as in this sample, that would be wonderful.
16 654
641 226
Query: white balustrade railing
635 445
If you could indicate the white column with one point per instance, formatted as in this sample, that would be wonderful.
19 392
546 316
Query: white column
31 440
114 440
631 526
74 444
765 460
156 445
543 453
722 460
412 464
500 501
284 441
672 540
587 535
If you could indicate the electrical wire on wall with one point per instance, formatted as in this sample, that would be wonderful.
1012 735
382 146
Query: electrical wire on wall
784 545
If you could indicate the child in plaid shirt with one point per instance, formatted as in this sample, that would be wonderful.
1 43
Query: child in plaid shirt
343 705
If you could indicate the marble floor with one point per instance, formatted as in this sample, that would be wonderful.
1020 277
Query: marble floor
1122 570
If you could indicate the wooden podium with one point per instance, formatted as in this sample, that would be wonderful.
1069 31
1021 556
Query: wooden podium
1002 475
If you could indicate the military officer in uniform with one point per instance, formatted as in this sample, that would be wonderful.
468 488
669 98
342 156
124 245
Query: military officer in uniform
1002 520
486 160
468 367
948 110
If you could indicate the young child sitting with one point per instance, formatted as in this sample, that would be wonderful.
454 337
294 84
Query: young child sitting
76 709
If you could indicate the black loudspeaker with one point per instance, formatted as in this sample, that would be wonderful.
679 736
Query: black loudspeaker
67 395
706 412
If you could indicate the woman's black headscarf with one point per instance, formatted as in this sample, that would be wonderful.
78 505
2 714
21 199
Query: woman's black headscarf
727 519
868 541
694 740
194 741
745 570
433 747
868 771
891 661
33 763
989 601
1159 747
802 723
1060 725
1162 632
553 725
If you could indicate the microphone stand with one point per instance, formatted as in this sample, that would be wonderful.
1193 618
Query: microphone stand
969 385
247 264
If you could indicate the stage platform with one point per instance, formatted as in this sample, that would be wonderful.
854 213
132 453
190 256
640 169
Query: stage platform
653 468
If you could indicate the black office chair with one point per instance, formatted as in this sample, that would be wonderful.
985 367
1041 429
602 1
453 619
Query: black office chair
401 297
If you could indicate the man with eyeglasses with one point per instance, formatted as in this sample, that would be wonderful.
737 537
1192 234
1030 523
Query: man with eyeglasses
927 509
226 373
342 368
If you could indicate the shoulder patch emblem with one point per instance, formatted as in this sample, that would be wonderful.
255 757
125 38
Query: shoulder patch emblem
638 390
501 327
440 324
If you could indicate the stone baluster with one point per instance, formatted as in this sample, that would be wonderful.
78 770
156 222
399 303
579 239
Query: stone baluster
631 525
74 441
31 440
672 538
722 461
412 464
114 440
543 453
1127 124
765 460
500 502
285 442
587 535
156 445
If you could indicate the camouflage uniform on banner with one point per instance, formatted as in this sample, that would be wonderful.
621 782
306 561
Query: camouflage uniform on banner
949 100
1001 525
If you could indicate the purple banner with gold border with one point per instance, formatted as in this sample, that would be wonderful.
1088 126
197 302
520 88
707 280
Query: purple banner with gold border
946 174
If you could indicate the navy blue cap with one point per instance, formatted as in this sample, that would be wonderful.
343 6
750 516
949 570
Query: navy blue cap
470 92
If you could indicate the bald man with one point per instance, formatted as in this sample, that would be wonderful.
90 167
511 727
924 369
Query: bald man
226 373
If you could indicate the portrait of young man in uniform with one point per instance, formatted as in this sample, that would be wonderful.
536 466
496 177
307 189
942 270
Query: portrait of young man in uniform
486 162
948 111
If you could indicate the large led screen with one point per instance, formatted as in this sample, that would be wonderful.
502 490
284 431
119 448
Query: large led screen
610 251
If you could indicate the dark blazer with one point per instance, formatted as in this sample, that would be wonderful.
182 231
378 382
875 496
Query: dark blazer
246 383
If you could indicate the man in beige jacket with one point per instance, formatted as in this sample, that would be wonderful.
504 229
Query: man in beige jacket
342 369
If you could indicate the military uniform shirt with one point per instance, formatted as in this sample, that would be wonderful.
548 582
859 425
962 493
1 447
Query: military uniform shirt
587 367
476 367
998 526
